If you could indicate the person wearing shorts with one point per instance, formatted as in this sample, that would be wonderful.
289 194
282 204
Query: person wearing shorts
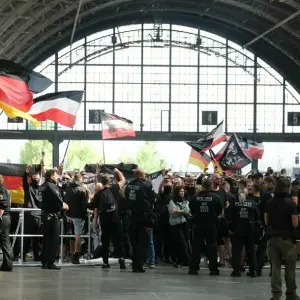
77 198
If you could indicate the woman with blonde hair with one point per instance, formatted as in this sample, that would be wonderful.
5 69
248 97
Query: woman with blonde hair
242 218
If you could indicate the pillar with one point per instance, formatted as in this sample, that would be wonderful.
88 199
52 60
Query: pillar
55 154
255 165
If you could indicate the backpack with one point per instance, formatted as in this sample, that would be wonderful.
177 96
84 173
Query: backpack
107 203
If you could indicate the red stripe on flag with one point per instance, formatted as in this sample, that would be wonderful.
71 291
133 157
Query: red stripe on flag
15 93
117 133
57 116
13 183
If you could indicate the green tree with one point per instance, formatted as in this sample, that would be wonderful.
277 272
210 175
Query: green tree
31 153
127 158
149 159
80 154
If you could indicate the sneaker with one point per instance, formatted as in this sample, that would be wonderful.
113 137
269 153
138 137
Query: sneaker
151 266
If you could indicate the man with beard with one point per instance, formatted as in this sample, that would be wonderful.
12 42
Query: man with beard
32 222
223 233
190 188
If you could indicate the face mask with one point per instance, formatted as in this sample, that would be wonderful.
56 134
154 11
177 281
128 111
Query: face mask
35 182
167 190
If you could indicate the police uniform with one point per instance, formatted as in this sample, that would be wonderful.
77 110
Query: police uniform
205 208
7 264
243 218
141 196
52 206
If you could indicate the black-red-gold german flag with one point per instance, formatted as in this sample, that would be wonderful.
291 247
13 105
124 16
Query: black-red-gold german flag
17 86
13 180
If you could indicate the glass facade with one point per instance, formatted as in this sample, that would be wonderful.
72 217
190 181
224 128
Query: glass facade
163 79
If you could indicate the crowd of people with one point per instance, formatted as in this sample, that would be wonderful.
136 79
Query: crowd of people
239 221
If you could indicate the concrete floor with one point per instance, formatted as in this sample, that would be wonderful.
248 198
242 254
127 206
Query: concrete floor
162 283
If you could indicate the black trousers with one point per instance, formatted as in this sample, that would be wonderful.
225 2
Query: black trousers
237 243
180 237
261 252
126 235
50 239
15 216
205 241
5 244
139 241
112 230
32 225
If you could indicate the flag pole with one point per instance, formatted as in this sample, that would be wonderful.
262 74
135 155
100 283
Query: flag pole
103 151
66 151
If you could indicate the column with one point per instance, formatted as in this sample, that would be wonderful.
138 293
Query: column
55 154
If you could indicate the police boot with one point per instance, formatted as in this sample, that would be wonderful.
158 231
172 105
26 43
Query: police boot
75 259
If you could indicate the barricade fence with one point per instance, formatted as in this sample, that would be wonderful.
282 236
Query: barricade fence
22 235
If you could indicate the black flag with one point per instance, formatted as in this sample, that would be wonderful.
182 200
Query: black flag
233 156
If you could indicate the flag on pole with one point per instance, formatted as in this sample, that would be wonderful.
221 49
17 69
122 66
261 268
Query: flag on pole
13 113
201 160
233 156
252 148
211 139
217 167
61 107
114 127
36 83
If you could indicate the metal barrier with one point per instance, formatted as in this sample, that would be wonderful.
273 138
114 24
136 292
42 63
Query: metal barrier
62 235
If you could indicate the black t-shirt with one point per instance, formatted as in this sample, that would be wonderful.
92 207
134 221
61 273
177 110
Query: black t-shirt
106 203
223 196
294 193
205 208
231 198
279 212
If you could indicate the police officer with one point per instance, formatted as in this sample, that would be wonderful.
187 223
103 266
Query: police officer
243 217
52 207
141 196
205 208
7 264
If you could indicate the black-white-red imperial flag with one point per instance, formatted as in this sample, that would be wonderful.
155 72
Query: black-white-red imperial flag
115 127
61 107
